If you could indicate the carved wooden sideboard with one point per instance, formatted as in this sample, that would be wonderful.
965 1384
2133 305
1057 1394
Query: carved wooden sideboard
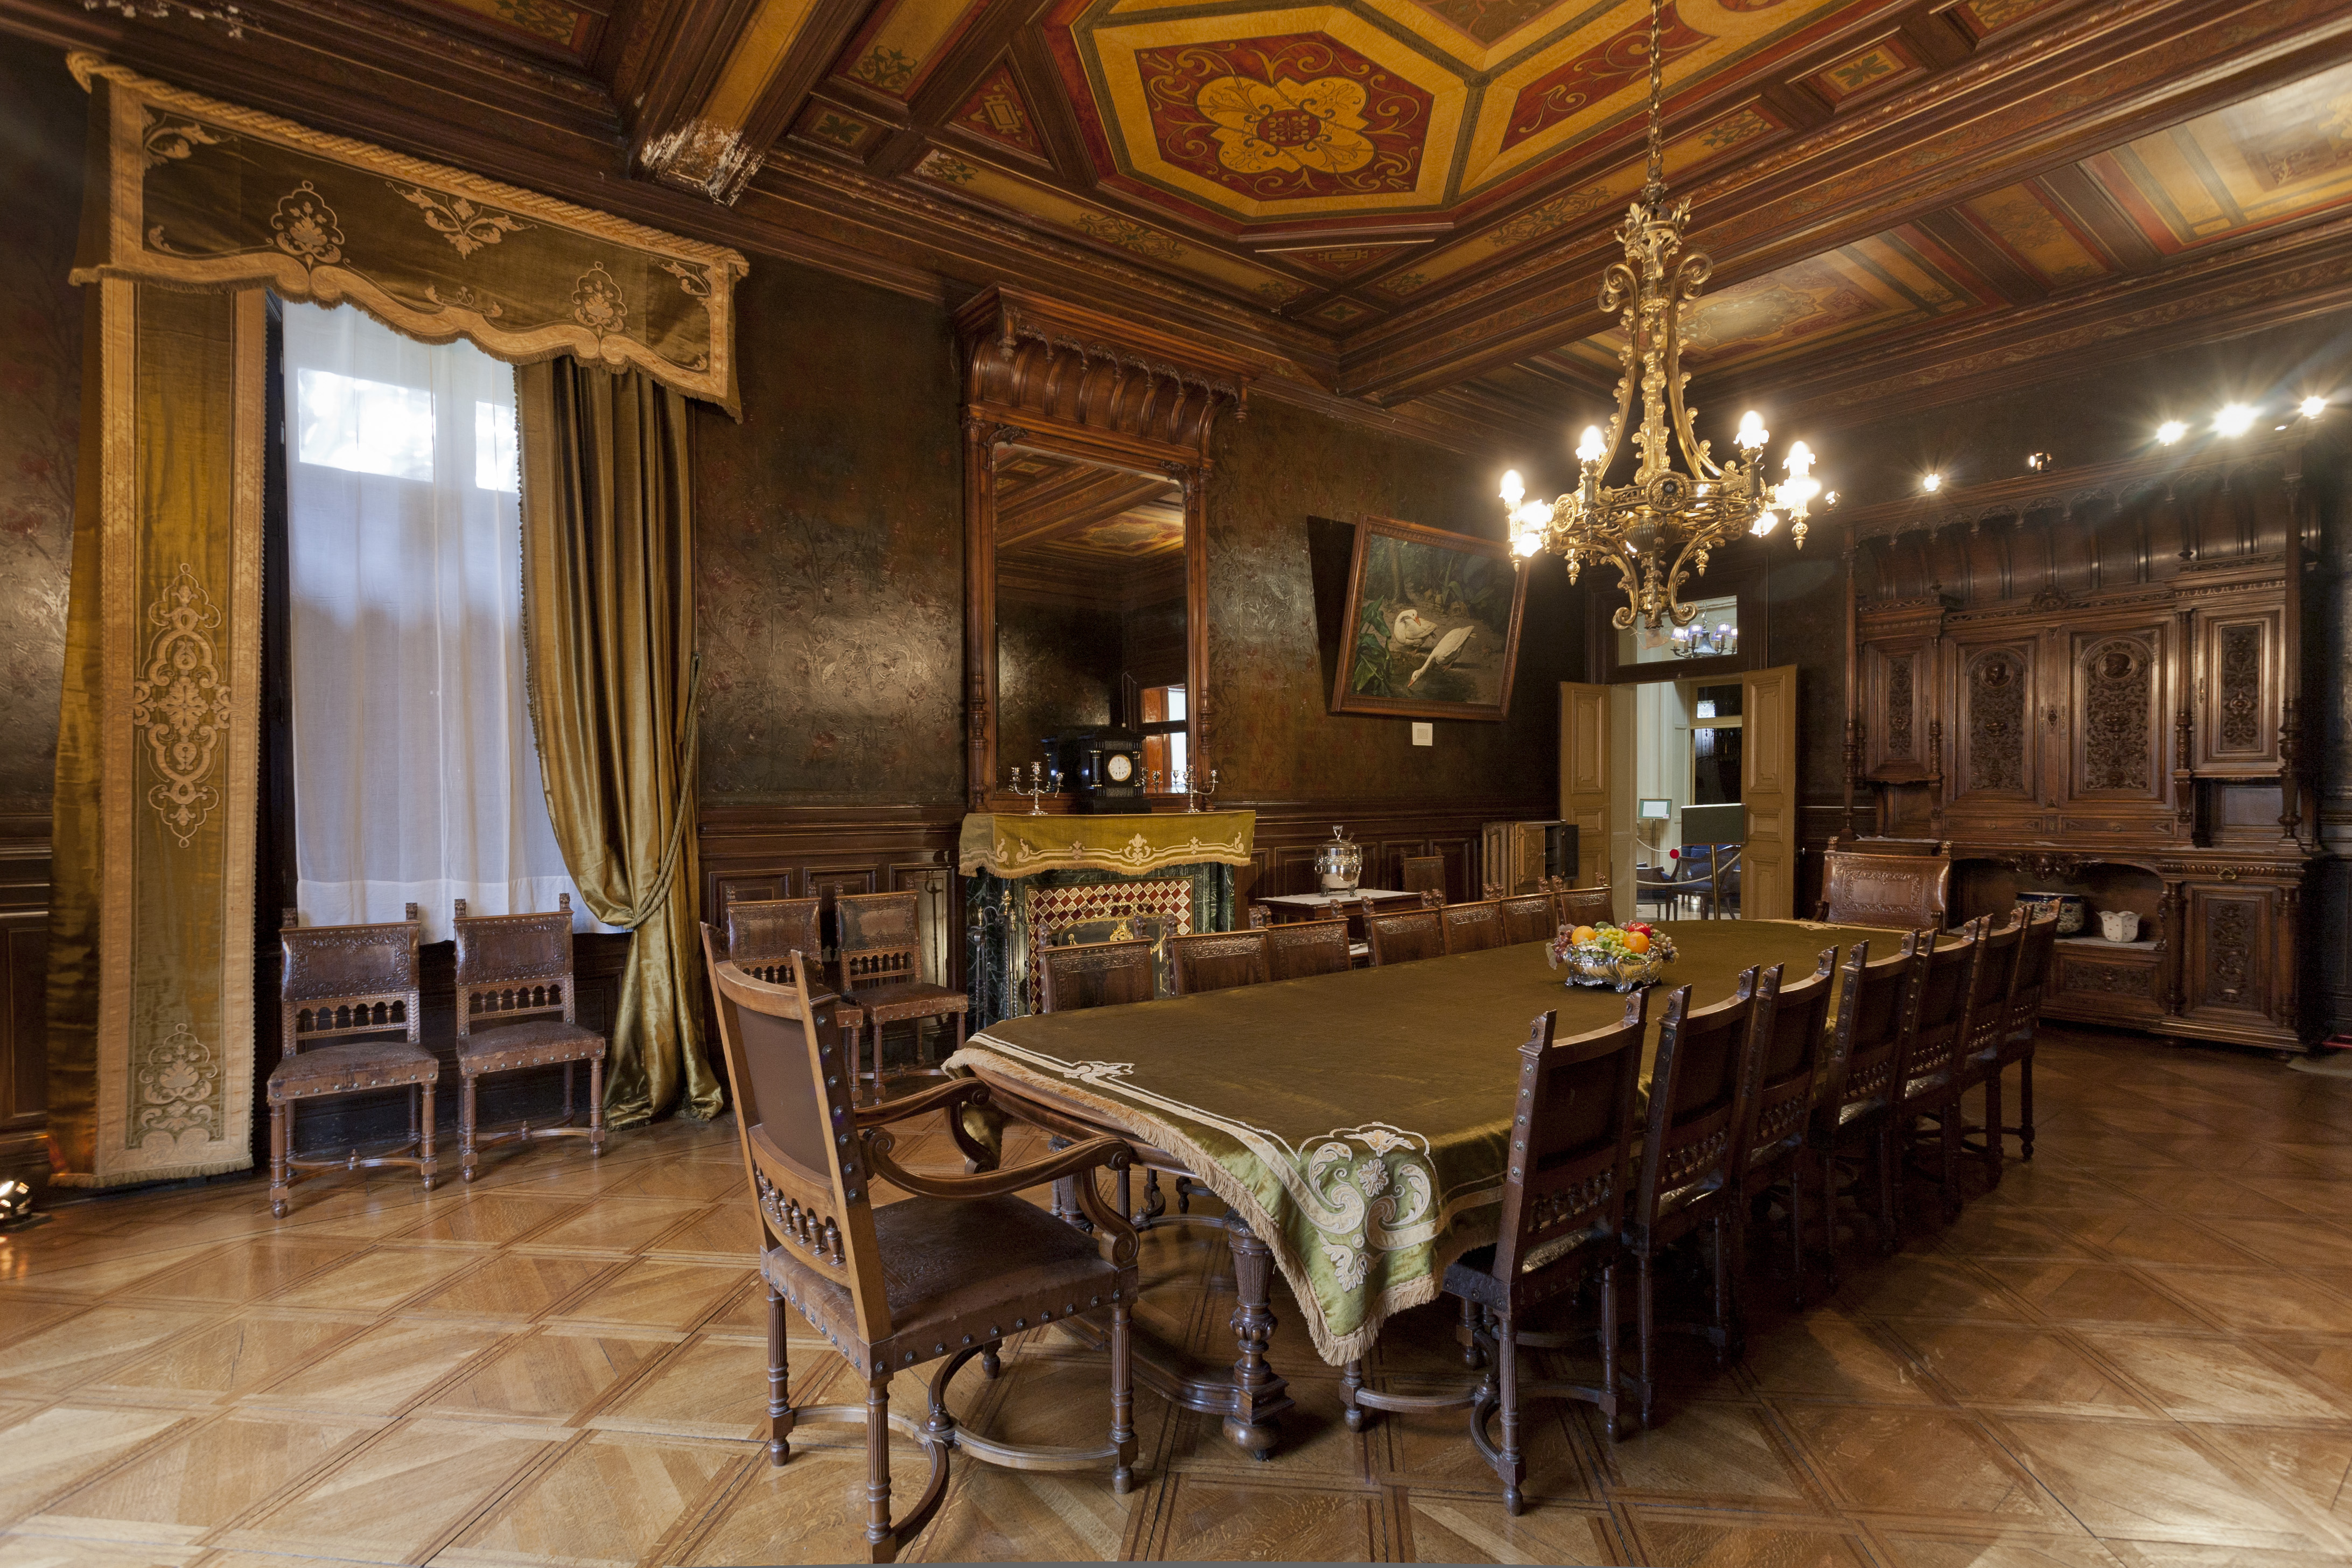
2093 682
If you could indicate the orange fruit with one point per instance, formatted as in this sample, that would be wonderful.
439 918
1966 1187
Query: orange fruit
1638 941
1580 935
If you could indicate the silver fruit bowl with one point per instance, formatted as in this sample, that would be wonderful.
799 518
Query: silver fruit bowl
1620 972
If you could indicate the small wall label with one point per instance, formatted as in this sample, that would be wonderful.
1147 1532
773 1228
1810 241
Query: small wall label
1425 734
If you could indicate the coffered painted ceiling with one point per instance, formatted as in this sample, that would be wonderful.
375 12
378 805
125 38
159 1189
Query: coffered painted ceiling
1405 204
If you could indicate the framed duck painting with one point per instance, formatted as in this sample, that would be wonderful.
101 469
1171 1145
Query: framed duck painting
1430 628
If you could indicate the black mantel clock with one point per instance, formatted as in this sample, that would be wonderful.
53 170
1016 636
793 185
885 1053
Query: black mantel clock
1102 768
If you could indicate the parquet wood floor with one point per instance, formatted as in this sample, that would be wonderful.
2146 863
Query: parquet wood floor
2137 1353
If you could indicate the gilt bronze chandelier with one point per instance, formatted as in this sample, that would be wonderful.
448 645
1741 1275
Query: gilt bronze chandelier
1658 529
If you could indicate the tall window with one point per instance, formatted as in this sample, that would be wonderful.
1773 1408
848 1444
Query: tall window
416 774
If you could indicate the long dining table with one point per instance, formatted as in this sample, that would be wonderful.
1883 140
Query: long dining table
1354 1125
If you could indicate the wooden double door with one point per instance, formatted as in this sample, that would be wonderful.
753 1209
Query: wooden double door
1596 788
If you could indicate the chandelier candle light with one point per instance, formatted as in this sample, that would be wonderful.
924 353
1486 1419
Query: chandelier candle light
1657 530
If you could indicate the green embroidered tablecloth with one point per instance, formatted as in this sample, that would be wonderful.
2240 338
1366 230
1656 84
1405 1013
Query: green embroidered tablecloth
1357 1120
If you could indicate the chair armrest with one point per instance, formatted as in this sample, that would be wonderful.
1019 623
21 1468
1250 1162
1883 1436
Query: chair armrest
1079 1159
938 1097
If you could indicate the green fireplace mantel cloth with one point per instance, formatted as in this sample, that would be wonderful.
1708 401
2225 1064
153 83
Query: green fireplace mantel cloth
1009 843
1358 1121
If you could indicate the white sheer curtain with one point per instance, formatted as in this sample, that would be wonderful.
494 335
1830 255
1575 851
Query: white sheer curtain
416 775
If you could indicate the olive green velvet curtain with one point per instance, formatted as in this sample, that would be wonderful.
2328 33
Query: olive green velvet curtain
608 610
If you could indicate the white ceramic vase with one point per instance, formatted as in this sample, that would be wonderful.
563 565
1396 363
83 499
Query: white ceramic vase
2119 925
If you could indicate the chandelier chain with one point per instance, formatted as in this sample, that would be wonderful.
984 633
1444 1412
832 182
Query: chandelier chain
1657 174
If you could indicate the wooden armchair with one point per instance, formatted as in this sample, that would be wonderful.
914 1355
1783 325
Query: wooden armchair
349 1021
1530 917
1563 1210
1796 1041
514 976
1218 959
1906 890
1401 937
1471 928
1095 974
1855 1102
1308 947
1690 1152
941 1276
1422 874
1586 906
762 932
878 972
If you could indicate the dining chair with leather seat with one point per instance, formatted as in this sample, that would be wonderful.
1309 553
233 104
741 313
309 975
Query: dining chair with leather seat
762 933
1405 936
1934 1059
1788 1070
1308 947
1217 961
1996 977
1896 886
1562 1223
518 1007
1691 1153
877 961
945 1275
1471 928
1095 974
1587 906
1856 1103
1422 874
1530 917
2034 953
349 1021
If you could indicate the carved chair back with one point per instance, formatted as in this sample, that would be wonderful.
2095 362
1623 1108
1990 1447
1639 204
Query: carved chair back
1422 874
1471 928
1218 959
338 982
1941 1016
1530 917
1698 1096
2033 955
1307 947
513 967
1874 1016
1907 890
1587 907
1571 1144
878 940
791 1083
1096 974
761 932
1407 935
1996 973
1795 1044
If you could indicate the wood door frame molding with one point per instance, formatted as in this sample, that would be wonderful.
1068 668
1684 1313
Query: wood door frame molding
1064 382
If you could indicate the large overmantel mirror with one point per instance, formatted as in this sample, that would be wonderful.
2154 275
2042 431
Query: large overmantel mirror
1085 552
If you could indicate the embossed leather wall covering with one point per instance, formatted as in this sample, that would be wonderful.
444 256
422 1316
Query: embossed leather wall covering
41 116
1270 737
831 557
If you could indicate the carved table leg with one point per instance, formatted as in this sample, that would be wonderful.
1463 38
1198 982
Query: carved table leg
1258 1392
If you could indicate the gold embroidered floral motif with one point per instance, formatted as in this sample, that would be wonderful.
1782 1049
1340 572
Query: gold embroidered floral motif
693 281
306 228
178 1087
182 705
465 226
598 304
167 140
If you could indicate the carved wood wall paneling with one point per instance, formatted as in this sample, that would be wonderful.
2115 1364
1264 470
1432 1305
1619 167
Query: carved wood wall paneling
2242 674
24 1000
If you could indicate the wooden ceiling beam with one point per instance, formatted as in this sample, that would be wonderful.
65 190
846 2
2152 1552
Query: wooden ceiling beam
1757 217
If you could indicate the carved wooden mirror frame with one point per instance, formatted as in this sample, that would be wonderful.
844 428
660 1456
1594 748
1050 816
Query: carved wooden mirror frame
1064 382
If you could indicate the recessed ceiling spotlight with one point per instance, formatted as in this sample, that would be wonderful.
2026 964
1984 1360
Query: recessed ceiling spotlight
2040 462
2235 419
2168 432
2313 407
1931 482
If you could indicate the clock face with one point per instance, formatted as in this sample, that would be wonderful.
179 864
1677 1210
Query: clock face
1118 767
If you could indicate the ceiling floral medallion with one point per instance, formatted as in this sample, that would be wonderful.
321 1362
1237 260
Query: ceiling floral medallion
1290 125
1293 116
